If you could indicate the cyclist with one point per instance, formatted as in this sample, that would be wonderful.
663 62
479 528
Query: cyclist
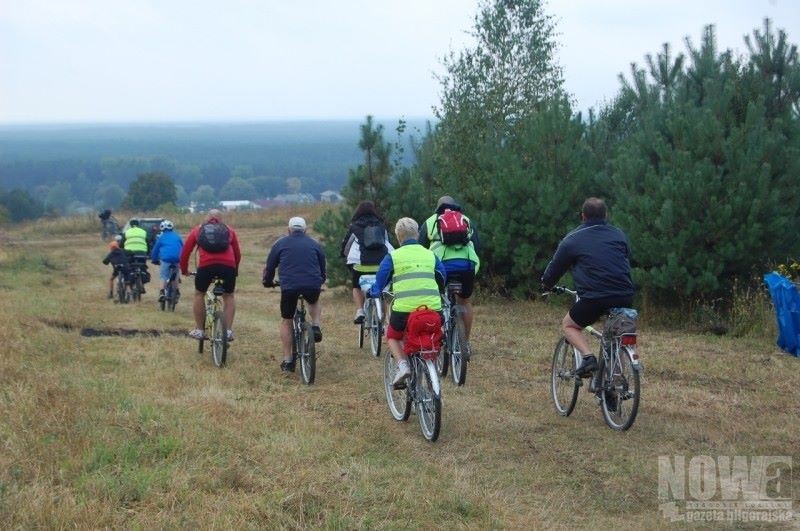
301 262
364 246
417 276
598 254
166 251
135 245
116 257
110 226
219 256
460 259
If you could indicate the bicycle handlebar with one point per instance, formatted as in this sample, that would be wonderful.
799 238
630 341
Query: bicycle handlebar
558 290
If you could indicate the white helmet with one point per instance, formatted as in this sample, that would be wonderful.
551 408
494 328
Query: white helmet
167 225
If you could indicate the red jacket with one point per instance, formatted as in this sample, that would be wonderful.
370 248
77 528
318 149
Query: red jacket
230 256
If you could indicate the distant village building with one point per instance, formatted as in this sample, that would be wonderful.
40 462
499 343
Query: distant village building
329 196
287 199
239 205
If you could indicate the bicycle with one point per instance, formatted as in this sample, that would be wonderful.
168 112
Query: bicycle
110 228
215 331
455 351
615 383
422 390
372 324
171 293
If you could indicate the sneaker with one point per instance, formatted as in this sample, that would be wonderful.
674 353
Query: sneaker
196 334
230 335
359 318
587 367
317 333
403 372
287 366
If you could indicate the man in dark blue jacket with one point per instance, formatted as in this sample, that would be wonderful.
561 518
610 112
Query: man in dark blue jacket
301 262
599 256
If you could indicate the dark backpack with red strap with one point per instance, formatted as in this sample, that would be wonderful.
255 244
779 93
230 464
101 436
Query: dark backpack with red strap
423 332
453 228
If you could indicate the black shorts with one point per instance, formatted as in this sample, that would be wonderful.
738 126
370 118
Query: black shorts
206 274
289 300
467 279
587 311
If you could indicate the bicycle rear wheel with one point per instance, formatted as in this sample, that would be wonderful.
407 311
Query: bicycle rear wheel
398 400
429 400
307 354
563 384
122 291
620 391
219 341
137 289
375 328
459 354
443 358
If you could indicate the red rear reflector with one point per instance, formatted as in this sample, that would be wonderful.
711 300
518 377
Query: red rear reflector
628 339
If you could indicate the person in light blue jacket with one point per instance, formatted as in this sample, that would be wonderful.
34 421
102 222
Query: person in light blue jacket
167 251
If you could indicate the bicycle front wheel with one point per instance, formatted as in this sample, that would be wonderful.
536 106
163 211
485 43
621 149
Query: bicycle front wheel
307 354
443 359
620 391
429 400
219 341
398 399
563 383
375 328
459 354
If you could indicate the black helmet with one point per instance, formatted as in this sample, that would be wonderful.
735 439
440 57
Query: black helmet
446 202
134 222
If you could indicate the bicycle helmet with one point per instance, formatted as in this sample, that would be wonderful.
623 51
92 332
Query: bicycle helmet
118 238
167 225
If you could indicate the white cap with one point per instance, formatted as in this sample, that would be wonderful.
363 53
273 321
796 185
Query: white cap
297 223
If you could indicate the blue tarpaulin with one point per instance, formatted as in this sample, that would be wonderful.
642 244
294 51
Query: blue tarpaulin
787 308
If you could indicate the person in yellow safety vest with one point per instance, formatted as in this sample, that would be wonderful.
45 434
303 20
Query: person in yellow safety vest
136 245
417 277
460 261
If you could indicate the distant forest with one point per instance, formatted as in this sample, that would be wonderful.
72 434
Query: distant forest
72 167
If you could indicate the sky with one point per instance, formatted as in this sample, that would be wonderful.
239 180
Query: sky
252 60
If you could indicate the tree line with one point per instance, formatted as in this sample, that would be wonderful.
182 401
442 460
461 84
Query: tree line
697 156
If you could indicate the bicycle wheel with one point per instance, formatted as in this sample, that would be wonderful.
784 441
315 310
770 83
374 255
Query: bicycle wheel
375 328
219 341
307 354
137 289
122 293
171 298
398 400
620 391
459 354
361 332
563 384
429 399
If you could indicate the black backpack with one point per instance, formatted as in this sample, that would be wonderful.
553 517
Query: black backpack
214 237
374 237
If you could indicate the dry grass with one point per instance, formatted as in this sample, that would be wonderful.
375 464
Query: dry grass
142 432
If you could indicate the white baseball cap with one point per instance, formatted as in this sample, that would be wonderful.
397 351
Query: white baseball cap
297 223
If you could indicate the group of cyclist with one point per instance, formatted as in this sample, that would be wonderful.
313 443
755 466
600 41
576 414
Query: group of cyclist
445 247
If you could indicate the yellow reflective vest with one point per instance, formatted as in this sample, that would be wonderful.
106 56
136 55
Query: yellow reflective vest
414 279
136 240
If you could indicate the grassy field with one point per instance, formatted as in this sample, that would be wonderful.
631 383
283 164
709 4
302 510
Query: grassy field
140 431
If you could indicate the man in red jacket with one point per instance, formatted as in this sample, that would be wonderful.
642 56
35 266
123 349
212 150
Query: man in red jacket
210 237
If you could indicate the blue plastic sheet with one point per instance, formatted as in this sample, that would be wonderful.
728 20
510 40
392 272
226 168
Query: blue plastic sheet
787 308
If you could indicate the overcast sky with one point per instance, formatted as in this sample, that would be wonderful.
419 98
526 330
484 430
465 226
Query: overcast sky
199 60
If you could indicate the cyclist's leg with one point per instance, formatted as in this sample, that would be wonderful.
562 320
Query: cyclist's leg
314 311
358 295
163 274
228 276
574 334
394 338
288 305
202 280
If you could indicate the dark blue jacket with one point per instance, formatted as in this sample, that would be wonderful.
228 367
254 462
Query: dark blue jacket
599 256
168 247
301 262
